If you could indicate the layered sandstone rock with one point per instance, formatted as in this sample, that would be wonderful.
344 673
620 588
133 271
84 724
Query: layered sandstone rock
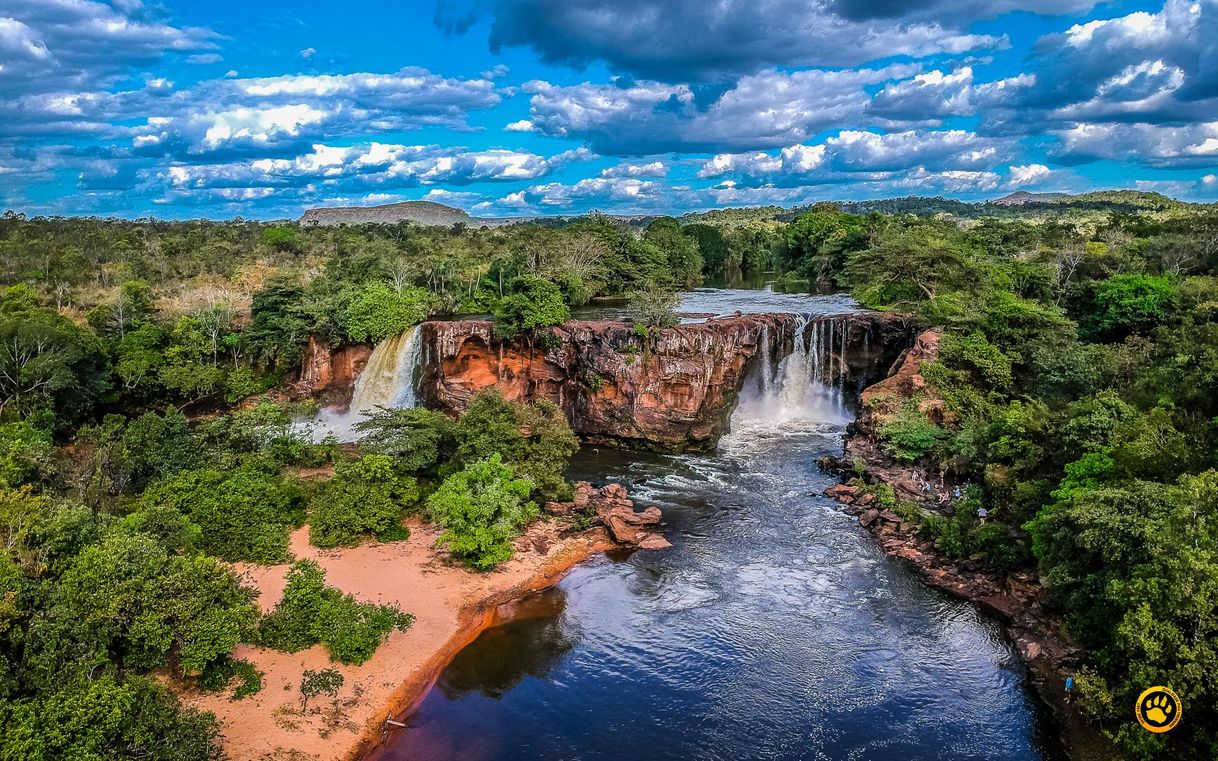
329 375
672 389
611 506
878 403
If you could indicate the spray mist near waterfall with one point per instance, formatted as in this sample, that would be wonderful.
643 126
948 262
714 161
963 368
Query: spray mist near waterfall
808 386
387 380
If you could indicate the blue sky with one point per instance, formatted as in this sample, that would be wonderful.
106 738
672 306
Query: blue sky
520 107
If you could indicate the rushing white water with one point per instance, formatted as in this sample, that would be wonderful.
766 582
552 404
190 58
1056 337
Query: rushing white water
387 380
806 387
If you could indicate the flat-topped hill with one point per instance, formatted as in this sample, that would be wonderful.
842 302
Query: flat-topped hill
422 212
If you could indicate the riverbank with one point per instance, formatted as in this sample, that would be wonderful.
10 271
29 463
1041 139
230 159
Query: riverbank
1016 598
451 605
1046 650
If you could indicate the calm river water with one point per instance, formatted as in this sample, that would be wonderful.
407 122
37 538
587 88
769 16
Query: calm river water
773 629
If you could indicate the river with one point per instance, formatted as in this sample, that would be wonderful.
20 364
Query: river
774 628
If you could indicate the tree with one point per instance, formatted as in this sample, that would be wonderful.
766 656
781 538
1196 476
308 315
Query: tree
414 437
47 361
129 308
245 514
127 718
532 302
150 608
481 509
817 243
654 308
364 497
379 311
712 246
680 251
27 455
1126 303
320 682
905 266
281 238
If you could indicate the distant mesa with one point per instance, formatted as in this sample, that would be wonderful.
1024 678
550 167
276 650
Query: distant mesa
426 213
1019 198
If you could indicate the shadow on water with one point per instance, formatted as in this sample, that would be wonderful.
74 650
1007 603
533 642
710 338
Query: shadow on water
530 643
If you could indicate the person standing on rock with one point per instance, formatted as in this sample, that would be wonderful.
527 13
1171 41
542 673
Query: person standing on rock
982 514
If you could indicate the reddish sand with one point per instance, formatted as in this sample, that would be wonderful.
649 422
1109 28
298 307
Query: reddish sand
451 605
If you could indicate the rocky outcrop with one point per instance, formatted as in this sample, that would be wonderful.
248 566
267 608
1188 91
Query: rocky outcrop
1016 598
878 404
328 375
672 389
612 507
427 213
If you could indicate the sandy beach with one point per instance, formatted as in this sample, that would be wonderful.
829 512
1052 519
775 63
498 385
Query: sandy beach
451 605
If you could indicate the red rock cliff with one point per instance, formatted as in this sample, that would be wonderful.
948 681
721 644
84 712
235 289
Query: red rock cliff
329 374
673 390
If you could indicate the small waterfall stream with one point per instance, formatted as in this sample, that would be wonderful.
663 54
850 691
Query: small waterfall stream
387 380
808 385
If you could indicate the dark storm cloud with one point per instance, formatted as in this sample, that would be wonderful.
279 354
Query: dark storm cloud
681 40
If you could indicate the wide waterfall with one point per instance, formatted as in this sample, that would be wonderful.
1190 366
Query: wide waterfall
387 380
806 386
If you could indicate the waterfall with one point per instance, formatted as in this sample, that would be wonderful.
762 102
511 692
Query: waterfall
387 380
806 386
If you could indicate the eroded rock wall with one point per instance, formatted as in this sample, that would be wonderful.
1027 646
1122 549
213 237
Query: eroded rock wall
673 389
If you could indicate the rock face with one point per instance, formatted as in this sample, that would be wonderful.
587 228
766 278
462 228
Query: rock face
673 389
878 404
329 375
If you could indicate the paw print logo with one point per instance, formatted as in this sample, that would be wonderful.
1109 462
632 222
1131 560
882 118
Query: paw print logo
1158 709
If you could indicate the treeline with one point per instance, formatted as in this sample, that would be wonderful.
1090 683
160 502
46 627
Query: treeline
109 315
1076 391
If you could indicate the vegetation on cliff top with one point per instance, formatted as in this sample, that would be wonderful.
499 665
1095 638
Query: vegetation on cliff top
1079 374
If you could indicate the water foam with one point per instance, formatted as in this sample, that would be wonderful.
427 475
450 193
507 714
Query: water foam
387 380
807 387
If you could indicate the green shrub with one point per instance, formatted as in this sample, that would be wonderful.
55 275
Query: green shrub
909 436
492 425
245 515
320 682
219 675
108 717
364 497
312 613
414 438
481 509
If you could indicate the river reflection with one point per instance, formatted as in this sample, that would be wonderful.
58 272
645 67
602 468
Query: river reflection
533 640
773 629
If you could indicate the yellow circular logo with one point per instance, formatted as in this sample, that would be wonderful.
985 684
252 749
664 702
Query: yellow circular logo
1158 709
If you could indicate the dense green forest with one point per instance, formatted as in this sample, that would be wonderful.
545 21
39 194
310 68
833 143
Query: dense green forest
137 458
